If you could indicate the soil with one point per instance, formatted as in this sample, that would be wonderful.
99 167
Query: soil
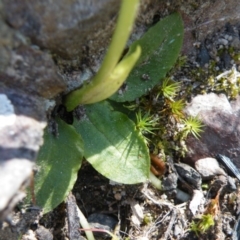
164 217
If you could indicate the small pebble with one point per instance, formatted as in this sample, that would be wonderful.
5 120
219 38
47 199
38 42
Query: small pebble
230 38
43 233
118 196
182 196
235 42
30 235
164 197
102 221
178 230
208 168
223 41
231 187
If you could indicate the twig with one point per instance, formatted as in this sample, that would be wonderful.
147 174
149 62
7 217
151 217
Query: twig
170 225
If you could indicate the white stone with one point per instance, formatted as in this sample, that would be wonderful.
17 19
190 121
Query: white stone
208 102
208 168
7 114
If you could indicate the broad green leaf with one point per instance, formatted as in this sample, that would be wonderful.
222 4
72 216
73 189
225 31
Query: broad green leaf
112 144
58 161
160 46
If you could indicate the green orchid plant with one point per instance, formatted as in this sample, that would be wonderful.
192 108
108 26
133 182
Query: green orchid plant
106 136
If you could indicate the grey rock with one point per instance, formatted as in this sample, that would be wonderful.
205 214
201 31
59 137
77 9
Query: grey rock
43 233
189 174
235 42
210 15
22 120
231 186
169 182
102 221
178 230
26 67
203 56
64 26
182 196
32 71
226 58
229 165
208 168
223 41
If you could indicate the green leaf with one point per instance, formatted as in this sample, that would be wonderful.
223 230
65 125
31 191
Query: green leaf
113 145
59 160
160 46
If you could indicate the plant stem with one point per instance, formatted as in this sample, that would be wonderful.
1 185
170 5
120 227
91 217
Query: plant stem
84 223
123 29
155 181
121 34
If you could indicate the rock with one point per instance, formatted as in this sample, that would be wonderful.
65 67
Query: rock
189 174
226 59
26 67
137 213
203 56
169 182
30 235
182 196
229 166
235 42
208 102
34 72
221 128
64 26
102 221
218 182
197 201
211 15
43 234
178 230
208 168
231 186
22 119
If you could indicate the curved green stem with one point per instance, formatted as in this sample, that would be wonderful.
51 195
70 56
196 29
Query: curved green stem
106 73
84 223
121 34
155 181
